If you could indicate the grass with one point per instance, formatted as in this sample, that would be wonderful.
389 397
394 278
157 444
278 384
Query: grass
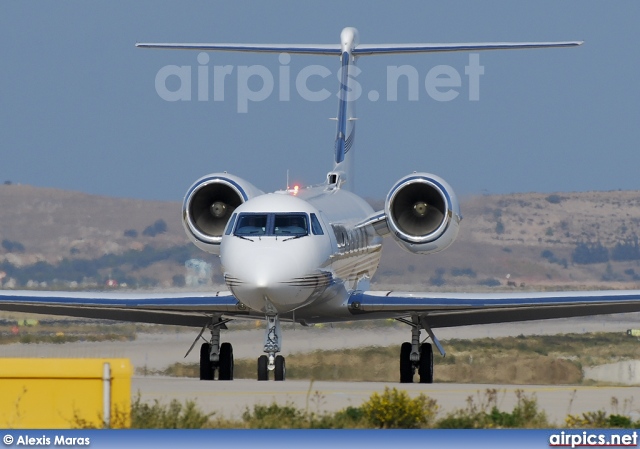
391 409
554 359
61 332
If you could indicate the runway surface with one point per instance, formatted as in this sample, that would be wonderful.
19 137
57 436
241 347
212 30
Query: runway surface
231 399
158 350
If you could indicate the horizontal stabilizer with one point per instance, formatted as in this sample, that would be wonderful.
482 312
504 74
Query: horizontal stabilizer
360 50
254 48
373 49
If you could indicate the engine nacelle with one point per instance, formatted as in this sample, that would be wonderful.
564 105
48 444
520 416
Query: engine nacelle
208 205
422 213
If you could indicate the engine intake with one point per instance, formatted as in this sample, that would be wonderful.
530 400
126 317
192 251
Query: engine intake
209 204
422 213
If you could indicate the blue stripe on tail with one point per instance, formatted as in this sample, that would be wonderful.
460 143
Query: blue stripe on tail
340 145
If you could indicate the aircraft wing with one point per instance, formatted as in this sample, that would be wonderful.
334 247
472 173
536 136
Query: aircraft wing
462 309
182 309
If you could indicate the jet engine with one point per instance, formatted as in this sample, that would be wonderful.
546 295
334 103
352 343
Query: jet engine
422 213
209 204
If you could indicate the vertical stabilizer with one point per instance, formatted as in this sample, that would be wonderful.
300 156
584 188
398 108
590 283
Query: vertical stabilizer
347 94
348 50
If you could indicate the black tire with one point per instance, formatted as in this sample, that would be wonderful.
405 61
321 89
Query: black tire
281 370
225 370
406 367
425 368
206 367
263 370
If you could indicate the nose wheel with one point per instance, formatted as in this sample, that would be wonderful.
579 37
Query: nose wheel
263 368
271 361
279 368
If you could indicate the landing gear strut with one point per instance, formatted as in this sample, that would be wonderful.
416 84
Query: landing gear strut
213 355
271 362
416 356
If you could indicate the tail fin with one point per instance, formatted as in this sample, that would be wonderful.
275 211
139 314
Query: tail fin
346 126
348 50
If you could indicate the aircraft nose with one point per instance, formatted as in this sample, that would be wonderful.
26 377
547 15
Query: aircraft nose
264 273
270 281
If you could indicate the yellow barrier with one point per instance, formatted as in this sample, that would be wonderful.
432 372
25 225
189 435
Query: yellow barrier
65 393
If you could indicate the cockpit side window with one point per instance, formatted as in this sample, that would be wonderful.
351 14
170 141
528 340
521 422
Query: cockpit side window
290 224
315 225
251 224
232 221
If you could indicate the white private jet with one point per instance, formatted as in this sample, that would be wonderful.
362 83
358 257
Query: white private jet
307 255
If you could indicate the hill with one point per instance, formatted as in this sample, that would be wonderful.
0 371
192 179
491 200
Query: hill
52 224
564 240
572 240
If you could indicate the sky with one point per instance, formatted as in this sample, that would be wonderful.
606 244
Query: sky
80 108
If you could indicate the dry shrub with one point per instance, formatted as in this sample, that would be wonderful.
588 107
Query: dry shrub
512 370
394 409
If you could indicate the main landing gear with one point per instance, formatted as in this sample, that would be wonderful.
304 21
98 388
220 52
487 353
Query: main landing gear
271 362
216 357
416 356
213 355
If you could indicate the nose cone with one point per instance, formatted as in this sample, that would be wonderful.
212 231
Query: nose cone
270 281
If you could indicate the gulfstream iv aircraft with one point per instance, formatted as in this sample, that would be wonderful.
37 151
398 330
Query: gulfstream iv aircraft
334 239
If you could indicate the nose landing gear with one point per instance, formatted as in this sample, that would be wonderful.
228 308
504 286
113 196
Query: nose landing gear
271 362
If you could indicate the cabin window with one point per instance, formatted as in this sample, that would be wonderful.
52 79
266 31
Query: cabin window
341 236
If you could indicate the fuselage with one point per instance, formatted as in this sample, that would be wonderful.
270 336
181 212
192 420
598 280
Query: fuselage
295 249
302 252
300 267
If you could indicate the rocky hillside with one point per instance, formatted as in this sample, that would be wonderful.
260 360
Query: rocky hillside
53 224
534 239
517 240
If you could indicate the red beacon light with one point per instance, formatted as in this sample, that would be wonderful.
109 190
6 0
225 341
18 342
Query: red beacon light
294 189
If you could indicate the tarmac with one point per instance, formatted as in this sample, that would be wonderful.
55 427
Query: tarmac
158 350
231 399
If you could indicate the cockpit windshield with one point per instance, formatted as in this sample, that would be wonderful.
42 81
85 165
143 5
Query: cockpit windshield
252 224
290 224
287 224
